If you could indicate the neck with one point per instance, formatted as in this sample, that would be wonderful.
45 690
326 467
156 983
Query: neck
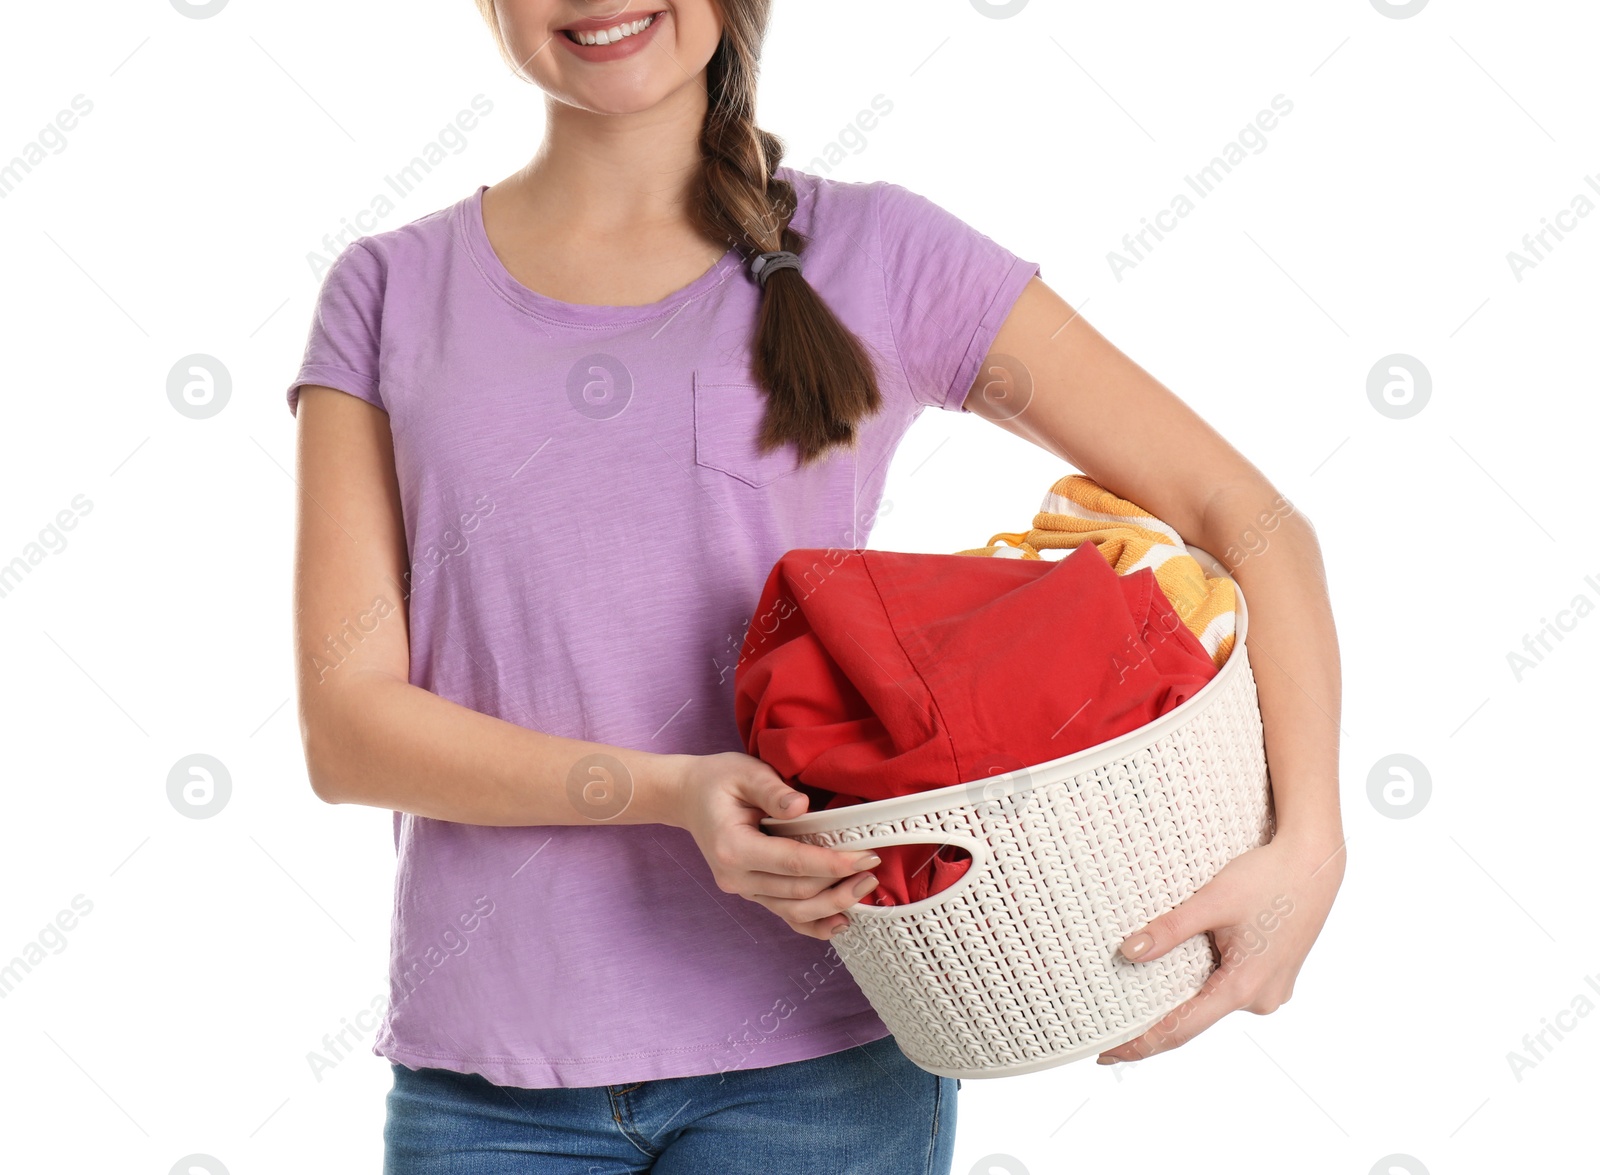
608 173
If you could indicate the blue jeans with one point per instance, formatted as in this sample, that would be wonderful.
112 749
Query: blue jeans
863 1111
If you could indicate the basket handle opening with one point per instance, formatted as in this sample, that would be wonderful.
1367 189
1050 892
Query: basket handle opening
955 846
925 859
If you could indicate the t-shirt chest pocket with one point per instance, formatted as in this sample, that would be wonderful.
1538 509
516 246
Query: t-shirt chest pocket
729 406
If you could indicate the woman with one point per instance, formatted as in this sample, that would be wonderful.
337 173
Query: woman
552 438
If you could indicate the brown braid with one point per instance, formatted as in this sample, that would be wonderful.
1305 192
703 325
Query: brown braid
819 378
820 381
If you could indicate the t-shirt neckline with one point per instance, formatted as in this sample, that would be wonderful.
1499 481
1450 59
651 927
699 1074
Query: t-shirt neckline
542 305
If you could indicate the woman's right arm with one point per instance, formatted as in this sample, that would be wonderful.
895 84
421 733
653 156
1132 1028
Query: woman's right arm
373 738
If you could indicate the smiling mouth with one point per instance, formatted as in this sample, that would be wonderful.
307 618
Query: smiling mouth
612 35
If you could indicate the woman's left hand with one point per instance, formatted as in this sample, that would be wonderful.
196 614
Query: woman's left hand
1264 910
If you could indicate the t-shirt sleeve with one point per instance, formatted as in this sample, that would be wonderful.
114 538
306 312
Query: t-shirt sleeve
342 346
949 289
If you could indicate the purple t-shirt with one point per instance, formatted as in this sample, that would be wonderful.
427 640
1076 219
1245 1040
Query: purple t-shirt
589 527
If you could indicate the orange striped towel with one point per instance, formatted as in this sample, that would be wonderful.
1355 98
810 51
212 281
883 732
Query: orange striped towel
1078 509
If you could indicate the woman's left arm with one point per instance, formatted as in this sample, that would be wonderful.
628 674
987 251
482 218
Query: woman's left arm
1052 379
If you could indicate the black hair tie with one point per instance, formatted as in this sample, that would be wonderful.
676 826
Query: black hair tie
765 264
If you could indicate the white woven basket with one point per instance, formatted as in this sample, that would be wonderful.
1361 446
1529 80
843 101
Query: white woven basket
1015 967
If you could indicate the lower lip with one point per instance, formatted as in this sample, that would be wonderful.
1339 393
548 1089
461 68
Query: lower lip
617 50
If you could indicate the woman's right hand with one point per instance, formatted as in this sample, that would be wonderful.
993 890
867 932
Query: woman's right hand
721 800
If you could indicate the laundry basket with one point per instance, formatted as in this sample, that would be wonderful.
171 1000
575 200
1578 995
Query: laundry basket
1015 967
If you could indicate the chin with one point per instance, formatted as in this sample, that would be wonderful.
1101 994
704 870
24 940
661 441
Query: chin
621 96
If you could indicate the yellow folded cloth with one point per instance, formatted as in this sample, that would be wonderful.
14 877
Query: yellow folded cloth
1078 509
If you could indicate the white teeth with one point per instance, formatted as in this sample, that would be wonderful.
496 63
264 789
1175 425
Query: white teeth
612 35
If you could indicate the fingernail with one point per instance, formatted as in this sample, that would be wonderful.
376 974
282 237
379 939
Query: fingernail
1107 1060
864 885
1137 945
870 861
789 799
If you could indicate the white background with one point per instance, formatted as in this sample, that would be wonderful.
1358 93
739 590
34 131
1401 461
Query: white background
179 219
